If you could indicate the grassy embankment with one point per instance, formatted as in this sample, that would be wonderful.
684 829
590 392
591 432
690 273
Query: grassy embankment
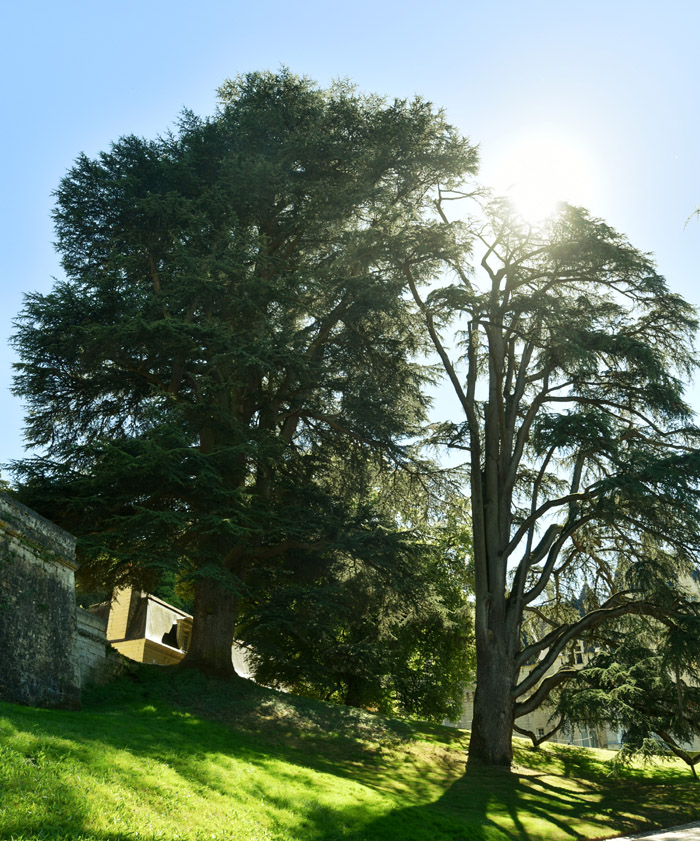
168 756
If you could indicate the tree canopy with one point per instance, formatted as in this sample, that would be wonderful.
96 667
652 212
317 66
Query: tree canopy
388 628
240 322
572 362
231 323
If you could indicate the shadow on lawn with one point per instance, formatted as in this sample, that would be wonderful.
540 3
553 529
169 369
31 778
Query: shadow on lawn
488 808
490 805
155 732
494 805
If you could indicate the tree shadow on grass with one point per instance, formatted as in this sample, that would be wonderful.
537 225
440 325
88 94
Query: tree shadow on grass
497 806
500 806
130 747
488 806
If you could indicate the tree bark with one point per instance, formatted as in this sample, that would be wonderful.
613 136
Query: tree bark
494 707
213 628
355 694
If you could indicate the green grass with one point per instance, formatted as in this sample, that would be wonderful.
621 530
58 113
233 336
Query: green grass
166 755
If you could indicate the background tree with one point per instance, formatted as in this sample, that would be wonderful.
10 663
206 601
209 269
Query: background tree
583 454
642 679
228 307
384 620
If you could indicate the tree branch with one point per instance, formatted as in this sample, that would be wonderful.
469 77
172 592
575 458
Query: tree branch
557 640
537 740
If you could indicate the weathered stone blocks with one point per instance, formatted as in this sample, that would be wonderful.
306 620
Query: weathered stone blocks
91 647
39 660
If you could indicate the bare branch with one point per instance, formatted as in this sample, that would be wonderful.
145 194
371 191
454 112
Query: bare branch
537 740
537 698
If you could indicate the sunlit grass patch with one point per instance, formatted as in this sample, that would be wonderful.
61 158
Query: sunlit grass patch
162 755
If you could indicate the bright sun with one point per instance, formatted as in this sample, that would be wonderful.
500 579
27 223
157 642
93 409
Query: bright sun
539 170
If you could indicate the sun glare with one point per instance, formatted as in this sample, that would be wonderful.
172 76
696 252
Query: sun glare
538 171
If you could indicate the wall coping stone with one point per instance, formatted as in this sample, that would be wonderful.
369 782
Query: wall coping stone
27 525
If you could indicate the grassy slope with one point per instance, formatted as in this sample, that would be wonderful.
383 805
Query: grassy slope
164 755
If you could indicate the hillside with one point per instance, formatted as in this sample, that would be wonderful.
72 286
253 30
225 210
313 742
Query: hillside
165 755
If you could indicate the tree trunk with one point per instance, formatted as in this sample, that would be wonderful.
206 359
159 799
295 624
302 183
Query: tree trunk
355 694
213 627
491 741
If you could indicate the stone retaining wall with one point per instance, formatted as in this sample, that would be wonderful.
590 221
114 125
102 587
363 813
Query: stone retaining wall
39 661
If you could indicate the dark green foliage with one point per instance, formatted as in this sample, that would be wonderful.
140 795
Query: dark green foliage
230 309
643 680
383 622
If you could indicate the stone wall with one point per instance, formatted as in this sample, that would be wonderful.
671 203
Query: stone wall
38 625
91 646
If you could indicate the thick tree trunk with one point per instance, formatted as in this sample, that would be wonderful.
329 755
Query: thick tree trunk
491 741
213 627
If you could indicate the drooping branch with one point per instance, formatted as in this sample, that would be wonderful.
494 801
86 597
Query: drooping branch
558 639
675 748
551 638
614 408
537 740
544 619
543 690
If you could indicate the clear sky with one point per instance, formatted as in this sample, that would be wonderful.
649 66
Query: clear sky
613 84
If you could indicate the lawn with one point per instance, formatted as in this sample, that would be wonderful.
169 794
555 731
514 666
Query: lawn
166 755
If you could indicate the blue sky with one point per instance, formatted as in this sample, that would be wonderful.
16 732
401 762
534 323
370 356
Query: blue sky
619 79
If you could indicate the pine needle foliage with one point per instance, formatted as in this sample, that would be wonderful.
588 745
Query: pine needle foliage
384 622
228 309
